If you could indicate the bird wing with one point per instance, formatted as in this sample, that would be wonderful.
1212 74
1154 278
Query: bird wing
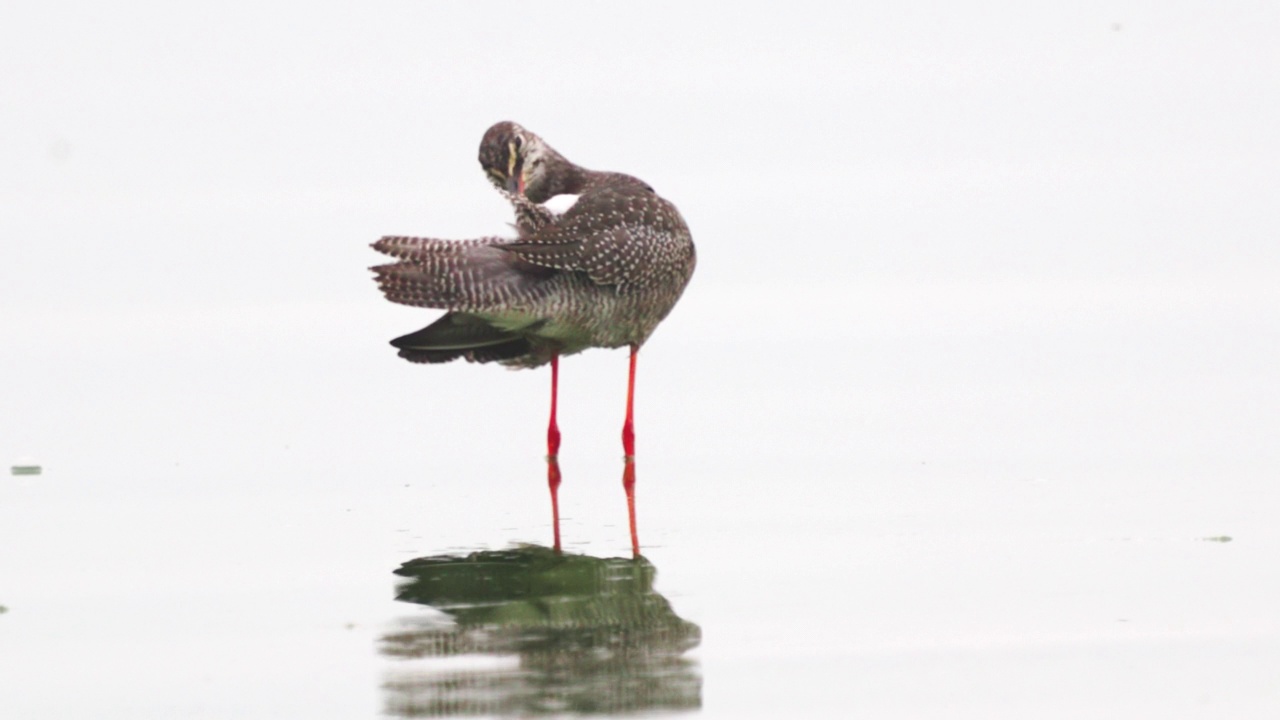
455 274
531 217
618 237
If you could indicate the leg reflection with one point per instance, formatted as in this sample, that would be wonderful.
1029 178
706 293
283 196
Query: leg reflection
553 483
629 485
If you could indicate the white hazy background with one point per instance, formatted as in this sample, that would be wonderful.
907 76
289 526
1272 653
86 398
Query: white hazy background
982 344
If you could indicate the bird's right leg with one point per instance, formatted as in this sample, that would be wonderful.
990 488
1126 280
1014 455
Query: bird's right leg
553 452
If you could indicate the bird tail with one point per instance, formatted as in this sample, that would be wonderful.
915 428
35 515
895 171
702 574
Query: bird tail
461 335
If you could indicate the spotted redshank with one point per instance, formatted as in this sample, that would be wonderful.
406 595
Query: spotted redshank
602 274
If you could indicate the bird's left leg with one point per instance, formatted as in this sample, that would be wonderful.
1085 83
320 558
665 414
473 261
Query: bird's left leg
629 447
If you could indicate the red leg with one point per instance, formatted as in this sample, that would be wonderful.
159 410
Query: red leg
629 427
629 446
553 430
553 450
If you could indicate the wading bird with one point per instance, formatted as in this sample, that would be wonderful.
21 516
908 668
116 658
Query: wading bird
602 274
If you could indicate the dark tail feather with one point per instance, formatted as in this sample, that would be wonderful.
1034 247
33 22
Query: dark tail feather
459 335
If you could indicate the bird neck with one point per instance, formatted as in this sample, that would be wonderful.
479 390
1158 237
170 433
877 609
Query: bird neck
562 178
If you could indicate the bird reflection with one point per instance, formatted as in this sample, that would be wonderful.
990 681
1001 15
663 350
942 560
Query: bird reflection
531 631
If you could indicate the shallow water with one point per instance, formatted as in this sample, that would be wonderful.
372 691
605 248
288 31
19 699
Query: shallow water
243 560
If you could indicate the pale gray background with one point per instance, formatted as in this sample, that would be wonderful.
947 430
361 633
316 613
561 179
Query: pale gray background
981 347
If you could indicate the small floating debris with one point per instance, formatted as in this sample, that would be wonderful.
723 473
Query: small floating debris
25 465
1218 539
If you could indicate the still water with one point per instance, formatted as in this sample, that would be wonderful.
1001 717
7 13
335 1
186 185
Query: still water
970 410
939 533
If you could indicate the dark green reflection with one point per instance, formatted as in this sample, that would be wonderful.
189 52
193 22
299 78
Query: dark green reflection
581 634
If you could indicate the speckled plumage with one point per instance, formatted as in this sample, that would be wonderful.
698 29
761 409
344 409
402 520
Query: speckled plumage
603 274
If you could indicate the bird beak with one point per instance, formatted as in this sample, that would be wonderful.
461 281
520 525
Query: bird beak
515 169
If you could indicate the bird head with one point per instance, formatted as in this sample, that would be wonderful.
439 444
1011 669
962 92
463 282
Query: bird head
517 160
